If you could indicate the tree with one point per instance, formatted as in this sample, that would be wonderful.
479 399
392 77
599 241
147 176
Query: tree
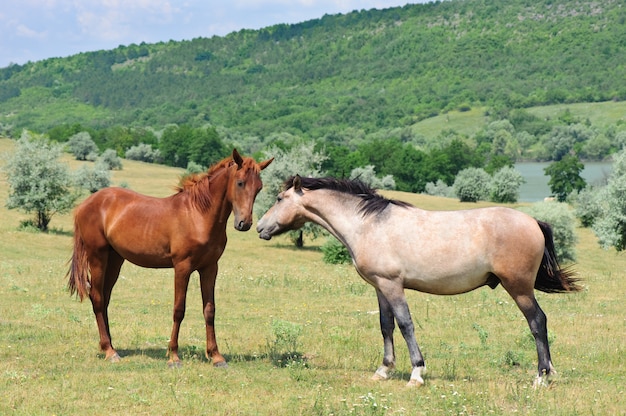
81 146
39 183
472 185
301 160
610 224
505 185
565 176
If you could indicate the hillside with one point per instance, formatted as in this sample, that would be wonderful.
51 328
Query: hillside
367 70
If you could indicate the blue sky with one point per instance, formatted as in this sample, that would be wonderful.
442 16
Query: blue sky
31 30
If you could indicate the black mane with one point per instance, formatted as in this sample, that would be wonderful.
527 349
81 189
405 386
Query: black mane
371 202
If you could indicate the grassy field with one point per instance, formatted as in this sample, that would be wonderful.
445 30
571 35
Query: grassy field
479 352
470 122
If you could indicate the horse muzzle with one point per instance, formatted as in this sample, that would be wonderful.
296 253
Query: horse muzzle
243 225
264 233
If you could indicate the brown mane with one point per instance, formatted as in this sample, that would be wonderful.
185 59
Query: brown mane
196 185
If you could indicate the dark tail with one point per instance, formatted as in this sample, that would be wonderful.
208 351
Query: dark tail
551 278
78 282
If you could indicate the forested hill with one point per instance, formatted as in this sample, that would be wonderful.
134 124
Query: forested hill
370 70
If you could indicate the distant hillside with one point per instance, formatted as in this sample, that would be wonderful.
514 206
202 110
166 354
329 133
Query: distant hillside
367 70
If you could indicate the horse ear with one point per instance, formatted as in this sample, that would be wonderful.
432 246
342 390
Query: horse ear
237 158
265 164
297 183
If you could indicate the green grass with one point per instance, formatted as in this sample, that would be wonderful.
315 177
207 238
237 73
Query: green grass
477 346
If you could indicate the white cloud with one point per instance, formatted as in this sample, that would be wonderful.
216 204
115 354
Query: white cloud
26 32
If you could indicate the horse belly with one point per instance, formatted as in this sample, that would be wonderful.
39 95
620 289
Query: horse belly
445 283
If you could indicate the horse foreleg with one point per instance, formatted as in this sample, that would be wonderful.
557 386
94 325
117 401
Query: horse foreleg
393 292
181 282
207 286
387 327
537 322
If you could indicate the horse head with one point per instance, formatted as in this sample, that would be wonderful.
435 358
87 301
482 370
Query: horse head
243 187
283 215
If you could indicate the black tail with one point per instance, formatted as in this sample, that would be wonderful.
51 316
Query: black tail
551 278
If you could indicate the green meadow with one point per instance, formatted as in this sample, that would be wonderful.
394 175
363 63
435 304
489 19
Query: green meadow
301 337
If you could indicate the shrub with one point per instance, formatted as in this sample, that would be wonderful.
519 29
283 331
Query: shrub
440 188
193 167
505 185
562 220
588 204
109 160
335 252
368 176
610 225
143 153
92 179
81 145
472 185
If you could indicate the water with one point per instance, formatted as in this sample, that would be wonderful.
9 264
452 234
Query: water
536 187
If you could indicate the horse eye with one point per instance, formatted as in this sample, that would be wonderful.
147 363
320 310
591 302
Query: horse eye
240 184
279 198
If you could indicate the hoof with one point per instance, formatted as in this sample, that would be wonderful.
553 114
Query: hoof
415 383
115 358
382 373
174 364
416 379
221 364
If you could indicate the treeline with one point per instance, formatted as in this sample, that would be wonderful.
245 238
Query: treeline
371 70
507 136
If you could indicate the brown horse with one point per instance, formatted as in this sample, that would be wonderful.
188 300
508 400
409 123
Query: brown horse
186 231
395 246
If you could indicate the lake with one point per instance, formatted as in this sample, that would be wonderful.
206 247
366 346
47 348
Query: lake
536 187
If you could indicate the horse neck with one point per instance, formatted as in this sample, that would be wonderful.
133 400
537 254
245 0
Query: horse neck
337 212
215 188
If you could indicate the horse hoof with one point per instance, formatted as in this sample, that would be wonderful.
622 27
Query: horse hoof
115 358
415 382
221 364
174 364
377 377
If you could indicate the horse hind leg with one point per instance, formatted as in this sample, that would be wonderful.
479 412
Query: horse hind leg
105 270
538 323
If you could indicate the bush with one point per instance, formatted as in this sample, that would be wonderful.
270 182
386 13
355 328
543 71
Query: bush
505 185
193 167
368 176
92 179
335 252
143 153
588 204
562 220
472 185
440 188
81 145
610 225
109 160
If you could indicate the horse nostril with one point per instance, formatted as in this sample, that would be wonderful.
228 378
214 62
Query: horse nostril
243 226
